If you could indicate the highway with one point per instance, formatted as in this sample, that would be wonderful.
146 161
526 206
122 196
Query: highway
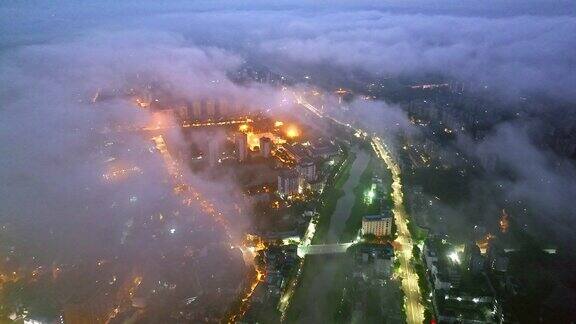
413 298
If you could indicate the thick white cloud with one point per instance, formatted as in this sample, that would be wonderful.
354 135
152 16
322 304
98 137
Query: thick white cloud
511 54
516 47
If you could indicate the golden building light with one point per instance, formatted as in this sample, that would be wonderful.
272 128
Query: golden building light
292 132
243 127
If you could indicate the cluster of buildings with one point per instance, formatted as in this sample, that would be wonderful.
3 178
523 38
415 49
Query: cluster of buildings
300 172
296 180
378 225
379 256
210 109
160 97
243 152
371 277
461 291
278 262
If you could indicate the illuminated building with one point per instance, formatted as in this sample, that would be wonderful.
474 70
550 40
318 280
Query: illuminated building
213 152
307 169
265 146
378 225
241 147
484 242
341 93
288 182
504 223
445 269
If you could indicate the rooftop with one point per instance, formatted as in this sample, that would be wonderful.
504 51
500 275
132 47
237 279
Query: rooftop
373 218
288 173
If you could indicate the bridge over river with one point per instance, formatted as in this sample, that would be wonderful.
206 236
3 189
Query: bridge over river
323 249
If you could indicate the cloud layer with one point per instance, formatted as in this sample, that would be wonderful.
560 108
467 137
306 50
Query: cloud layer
513 47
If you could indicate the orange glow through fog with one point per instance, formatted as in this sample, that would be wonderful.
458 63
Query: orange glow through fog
292 132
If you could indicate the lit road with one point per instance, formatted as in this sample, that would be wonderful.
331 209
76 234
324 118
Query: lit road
412 302
414 307
163 126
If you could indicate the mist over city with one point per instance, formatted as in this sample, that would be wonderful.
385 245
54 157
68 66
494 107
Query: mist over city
287 162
